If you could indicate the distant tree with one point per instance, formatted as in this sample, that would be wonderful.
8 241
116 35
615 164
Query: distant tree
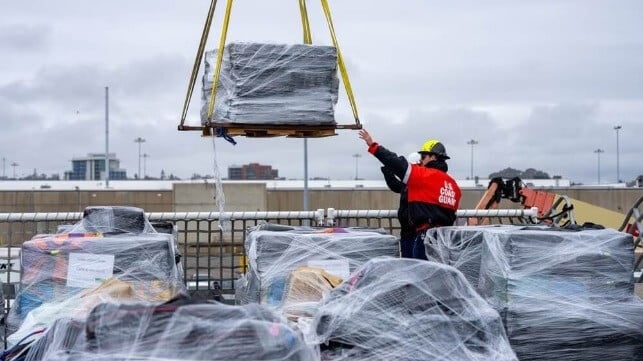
506 173
529 173
196 176
36 176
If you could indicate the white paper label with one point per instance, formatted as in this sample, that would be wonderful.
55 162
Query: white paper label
89 270
336 267
10 266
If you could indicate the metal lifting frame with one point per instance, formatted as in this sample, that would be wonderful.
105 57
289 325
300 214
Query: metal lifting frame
307 39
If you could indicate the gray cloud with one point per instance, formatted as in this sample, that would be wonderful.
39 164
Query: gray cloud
538 83
19 37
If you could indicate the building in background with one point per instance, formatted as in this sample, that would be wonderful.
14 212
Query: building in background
92 167
252 171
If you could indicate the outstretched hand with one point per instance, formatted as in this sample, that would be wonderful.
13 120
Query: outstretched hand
363 134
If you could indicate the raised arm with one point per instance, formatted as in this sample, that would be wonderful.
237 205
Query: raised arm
396 164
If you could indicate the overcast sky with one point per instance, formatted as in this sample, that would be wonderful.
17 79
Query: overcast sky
538 83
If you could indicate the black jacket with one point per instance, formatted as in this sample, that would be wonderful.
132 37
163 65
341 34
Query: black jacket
397 186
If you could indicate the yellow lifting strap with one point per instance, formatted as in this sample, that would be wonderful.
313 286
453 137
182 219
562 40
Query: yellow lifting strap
197 61
217 69
340 61
308 37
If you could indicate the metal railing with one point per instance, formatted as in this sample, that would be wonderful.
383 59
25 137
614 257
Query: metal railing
211 244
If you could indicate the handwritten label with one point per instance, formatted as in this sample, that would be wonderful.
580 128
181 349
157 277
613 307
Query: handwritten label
89 270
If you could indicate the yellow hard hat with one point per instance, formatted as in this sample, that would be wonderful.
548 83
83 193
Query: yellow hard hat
434 146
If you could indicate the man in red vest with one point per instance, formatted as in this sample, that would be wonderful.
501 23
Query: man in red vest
433 195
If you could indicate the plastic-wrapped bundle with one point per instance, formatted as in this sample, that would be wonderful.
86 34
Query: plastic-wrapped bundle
57 267
63 335
273 84
180 330
274 252
601 259
522 264
113 220
564 295
460 247
406 309
62 274
552 329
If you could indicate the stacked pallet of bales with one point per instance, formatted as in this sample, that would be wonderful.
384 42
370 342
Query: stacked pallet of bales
404 309
563 294
177 330
272 84
114 254
291 268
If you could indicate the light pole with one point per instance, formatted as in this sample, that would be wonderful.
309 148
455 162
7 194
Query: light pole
139 140
106 137
145 156
617 128
356 156
598 154
472 142
306 175
14 165
4 163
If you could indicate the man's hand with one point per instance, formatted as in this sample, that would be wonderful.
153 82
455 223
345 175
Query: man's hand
363 134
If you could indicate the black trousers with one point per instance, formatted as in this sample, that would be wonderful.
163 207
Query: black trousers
418 246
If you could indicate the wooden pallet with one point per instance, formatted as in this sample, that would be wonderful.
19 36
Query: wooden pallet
267 130
254 132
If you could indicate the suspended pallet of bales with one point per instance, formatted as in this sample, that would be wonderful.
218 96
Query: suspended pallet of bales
270 90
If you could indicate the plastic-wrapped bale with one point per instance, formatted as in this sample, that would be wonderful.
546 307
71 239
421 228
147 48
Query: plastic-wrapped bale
181 330
55 268
63 335
585 332
273 84
460 247
405 309
274 252
564 295
171 228
113 220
